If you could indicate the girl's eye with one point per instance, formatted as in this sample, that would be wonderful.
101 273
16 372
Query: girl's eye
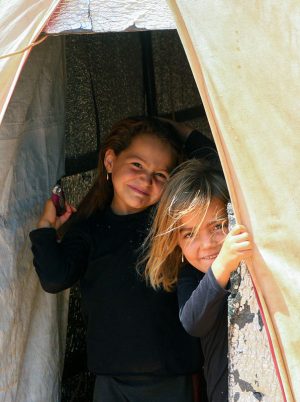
137 164
221 226
188 235
161 176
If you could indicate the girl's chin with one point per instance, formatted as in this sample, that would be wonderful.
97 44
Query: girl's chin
202 267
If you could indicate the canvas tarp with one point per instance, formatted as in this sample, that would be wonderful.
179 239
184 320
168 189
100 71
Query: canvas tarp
245 59
20 24
82 16
32 322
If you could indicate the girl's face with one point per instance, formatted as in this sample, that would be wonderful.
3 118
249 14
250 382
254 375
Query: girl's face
201 251
138 173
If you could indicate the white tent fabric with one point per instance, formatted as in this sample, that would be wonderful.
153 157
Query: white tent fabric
245 59
84 16
20 24
32 324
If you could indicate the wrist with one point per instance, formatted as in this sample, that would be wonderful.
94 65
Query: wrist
43 223
220 272
185 132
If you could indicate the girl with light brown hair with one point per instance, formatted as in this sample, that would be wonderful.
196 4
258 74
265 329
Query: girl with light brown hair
192 250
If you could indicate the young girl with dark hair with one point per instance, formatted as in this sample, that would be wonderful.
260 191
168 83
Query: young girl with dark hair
191 249
136 345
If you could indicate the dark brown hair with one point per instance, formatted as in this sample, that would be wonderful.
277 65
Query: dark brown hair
101 193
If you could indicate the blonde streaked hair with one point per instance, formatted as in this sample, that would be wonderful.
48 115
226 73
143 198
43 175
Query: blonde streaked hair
191 188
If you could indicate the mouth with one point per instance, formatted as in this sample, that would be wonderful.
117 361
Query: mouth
138 190
209 257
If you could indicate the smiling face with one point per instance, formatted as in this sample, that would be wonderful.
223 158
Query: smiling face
139 173
201 250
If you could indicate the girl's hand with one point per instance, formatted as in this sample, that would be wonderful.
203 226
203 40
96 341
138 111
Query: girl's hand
183 129
49 218
237 246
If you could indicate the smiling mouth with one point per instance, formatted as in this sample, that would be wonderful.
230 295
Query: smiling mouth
209 257
138 191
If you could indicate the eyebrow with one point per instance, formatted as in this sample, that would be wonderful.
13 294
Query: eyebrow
190 229
213 221
185 229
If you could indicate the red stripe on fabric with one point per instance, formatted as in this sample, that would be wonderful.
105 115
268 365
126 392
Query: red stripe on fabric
270 342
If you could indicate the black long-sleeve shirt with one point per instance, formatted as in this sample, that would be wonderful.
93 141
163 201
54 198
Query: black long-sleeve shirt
131 329
203 313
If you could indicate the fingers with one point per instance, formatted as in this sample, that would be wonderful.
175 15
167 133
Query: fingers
239 234
237 229
241 242
49 218
69 208
63 218
242 247
183 129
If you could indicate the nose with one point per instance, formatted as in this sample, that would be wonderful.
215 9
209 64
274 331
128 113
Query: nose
147 177
206 241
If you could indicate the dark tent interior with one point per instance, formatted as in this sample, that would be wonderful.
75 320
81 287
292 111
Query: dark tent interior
109 77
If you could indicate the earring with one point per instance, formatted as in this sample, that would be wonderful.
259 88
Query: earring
182 258
107 177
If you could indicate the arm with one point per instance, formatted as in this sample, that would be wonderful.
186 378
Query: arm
58 265
199 146
200 303
196 144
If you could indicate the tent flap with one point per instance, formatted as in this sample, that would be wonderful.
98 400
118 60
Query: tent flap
245 59
31 16
33 323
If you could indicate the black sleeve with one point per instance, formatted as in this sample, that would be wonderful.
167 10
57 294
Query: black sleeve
201 147
200 302
59 265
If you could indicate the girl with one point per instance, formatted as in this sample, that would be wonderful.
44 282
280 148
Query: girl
136 345
191 224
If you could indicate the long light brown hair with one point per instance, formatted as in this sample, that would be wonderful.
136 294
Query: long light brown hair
120 138
190 189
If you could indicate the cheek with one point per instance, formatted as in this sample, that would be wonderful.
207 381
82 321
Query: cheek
129 171
187 248
220 236
159 187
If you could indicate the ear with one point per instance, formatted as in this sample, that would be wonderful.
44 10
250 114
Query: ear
109 159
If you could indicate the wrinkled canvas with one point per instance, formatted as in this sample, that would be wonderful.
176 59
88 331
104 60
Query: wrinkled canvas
32 322
87 16
246 62
20 24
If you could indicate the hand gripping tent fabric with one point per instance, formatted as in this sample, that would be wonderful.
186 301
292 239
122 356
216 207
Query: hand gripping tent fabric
245 62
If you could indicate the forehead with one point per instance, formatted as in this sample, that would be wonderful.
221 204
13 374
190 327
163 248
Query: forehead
215 211
152 150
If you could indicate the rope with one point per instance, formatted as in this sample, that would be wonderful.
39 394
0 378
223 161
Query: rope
25 48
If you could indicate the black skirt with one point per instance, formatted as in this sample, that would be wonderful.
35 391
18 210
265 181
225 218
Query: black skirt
143 389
